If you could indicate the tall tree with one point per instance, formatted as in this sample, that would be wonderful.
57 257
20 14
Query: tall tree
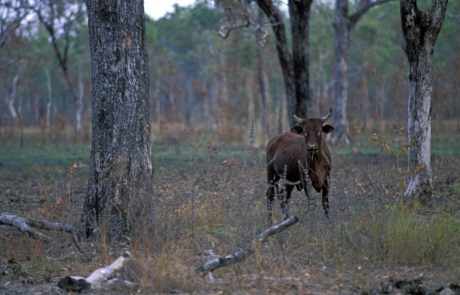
344 23
121 170
293 61
420 30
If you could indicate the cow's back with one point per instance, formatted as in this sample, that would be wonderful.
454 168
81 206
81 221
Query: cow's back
283 152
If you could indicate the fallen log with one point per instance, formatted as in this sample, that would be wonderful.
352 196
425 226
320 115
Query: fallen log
241 254
27 225
100 278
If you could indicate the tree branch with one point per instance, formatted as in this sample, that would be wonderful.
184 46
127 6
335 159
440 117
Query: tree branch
363 7
243 253
9 23
22 224
240 16
227 25
27 225
453 16
436 14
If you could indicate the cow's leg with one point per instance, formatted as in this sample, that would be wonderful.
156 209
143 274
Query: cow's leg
270 197
311 204
285 201
325 199
304 181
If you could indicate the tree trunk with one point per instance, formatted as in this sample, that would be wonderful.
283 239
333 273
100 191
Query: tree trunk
251 115
343 25
79 107
284 55
223 113
121 172
420 31
189 101
157 98
280 113
10 99
342 37
263 91
300 16
49 100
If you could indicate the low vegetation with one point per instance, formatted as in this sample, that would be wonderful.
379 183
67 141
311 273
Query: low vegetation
210 197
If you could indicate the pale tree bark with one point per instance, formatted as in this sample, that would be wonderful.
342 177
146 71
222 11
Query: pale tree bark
49 100
171 94
252 132
264 94
45 123
344 23
189 101
280 110
223 113
79 105
342 38
157 98
120 183
420 30
11 98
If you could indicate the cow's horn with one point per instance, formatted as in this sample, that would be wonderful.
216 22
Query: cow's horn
324 119
297 119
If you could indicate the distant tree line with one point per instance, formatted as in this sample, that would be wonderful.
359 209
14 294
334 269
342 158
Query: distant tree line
203 81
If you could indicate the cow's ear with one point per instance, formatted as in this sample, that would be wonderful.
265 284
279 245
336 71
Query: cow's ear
327 128
297 129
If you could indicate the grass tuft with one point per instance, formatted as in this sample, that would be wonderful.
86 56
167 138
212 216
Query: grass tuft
412 238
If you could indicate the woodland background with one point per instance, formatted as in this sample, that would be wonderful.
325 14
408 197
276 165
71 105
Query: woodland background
194 84
208 154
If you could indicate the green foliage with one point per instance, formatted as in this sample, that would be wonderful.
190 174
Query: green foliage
185 35
456 187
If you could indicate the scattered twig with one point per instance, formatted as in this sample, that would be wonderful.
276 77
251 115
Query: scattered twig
101 277
241 254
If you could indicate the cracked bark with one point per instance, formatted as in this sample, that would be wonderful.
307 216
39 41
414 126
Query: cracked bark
120 178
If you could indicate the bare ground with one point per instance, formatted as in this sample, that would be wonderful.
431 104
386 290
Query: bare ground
216 201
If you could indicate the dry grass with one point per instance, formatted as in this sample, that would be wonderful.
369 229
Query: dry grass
214 199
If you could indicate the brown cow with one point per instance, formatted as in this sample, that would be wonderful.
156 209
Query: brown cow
291 154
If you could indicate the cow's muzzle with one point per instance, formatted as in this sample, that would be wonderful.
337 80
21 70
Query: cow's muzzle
312 147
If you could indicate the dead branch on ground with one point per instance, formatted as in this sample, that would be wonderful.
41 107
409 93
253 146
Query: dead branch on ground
100 278
27 225
243 253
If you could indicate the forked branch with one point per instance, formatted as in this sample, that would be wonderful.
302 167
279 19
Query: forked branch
243 253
